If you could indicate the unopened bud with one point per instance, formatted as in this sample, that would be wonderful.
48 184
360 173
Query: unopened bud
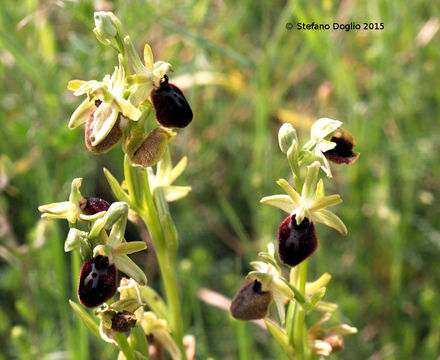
286 135
107 25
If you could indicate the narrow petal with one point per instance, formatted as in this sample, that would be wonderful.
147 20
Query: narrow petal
324 202
283 202
290 191
148 57
327 218
104 120
81 114
178 169
319 190
174 193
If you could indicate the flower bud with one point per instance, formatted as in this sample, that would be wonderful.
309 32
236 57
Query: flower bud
109 141
97 281
296 242
107 25
342 153
93 205
286 135
153 147
172 109
251 303
124 321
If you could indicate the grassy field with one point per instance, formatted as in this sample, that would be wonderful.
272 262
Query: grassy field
244 74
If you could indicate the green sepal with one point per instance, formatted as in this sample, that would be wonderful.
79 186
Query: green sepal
327 218
130 305
87 320
134 57
281 201
129 267
129 248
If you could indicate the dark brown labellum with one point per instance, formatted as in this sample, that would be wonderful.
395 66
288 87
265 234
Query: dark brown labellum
93 205
172 109
251 303
109 141
296 242
123 321
342 153
97 281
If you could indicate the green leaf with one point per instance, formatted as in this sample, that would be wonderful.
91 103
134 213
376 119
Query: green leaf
327 218
138 342
283 202
129 267
129 248
281 338
87 320
170 232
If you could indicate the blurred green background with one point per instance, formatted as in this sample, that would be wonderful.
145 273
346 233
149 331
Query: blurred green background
243 73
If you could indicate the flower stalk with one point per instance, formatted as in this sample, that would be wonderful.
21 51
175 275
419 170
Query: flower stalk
116 110
306 205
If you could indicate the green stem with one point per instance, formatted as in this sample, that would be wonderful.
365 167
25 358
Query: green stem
138 185
81 344
300 342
